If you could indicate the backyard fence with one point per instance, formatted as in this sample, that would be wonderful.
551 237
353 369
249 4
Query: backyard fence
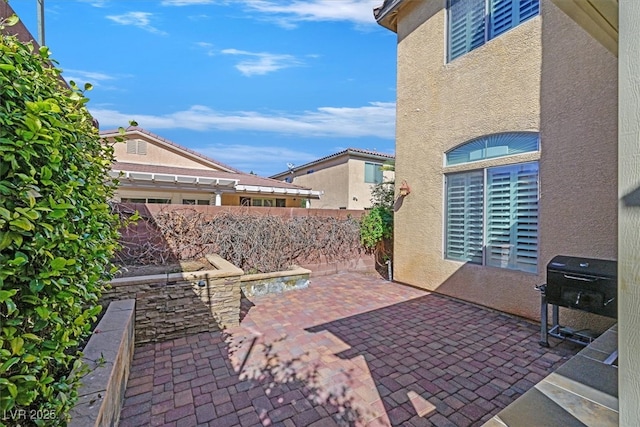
256 239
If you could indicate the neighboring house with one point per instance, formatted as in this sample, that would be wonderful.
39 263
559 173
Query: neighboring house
506 132
152 169
345 178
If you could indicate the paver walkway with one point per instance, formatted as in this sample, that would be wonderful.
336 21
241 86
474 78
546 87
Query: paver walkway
352 349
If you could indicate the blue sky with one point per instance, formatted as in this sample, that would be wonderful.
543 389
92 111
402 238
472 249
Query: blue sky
253 83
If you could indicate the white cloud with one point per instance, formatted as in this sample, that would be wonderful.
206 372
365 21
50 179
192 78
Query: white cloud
81 77
288 12
262 63
273 157
374 120
137 19
207 47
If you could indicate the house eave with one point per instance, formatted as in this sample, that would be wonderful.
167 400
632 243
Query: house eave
387 14
599 18
172 181
262 190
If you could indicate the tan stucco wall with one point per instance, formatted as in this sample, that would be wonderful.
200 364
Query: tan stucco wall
629 215
332 181
578 169
342 182
495 88
157 155
359 191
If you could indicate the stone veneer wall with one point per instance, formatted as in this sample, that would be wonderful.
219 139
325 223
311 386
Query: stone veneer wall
108 355
175 305
273 283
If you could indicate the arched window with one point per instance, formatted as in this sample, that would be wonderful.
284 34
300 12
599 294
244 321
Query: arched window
491 146
491 214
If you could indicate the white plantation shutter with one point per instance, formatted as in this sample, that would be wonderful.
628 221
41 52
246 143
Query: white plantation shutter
466 26
500 208
464 217
512 217
527 218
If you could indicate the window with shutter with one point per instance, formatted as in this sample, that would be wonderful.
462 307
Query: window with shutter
474 22
501 17
466 26
512 217
527 191
508 230
464 217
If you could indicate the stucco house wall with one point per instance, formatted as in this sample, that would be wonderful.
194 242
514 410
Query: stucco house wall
332 180
503 86
156 155
341 178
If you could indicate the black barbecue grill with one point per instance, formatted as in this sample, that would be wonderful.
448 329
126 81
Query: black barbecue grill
585 284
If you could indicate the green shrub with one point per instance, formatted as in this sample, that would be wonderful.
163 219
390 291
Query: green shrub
375 226
57 233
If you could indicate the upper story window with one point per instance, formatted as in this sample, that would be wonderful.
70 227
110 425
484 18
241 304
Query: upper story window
372 173
474 22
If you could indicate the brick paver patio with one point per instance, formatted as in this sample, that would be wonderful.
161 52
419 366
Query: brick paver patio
352 349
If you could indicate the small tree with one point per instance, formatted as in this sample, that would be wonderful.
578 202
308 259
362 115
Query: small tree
57 233
376 227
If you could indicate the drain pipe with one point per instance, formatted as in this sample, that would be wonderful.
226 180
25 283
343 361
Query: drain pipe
389 271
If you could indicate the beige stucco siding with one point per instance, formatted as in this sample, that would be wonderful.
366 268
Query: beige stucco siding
495 88
578 191
333 181
359 196
157 155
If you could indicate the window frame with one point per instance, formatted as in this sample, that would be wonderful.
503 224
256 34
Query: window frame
483 259
377 171
517 158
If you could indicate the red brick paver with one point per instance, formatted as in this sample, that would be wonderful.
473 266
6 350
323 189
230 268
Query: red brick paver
352 349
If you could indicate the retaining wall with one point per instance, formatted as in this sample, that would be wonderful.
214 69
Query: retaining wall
180 304
108 355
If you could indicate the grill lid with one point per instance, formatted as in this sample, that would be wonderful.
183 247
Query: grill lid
584 266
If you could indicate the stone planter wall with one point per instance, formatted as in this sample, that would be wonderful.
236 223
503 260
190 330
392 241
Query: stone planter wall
270 283
108 355
175 305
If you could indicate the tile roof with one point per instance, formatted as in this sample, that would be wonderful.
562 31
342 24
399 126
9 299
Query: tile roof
349 151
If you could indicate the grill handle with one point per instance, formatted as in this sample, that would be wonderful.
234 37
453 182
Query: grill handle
584 279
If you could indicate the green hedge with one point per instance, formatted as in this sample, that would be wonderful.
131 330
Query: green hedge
57 234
